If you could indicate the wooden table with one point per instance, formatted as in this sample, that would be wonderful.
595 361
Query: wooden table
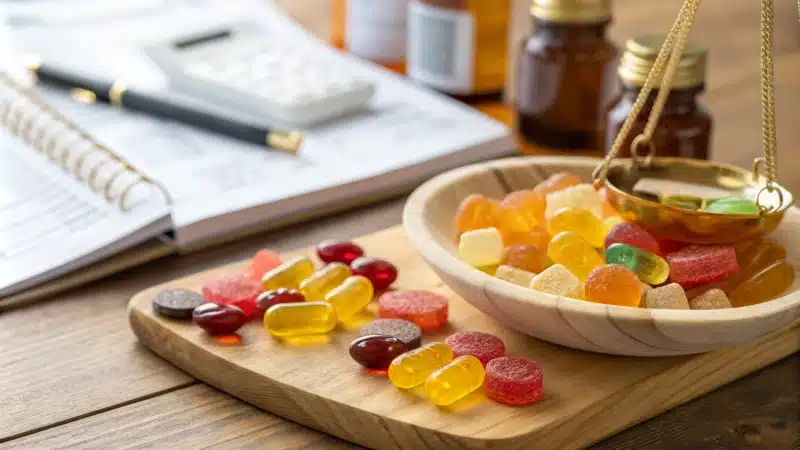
73 375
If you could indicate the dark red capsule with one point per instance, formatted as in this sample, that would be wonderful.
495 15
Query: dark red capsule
381 273
339 251
218 319
377 351
282 295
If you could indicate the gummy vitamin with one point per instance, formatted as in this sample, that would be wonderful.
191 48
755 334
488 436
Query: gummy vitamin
581 221
483 346
633 235
476 212
299 319
513 275
570 250
671 296
454 381
695 265
558 280
711 299
425 308
513 380
412 368
613 284
238 290
525 257
480 248
649 267
261 263
581 196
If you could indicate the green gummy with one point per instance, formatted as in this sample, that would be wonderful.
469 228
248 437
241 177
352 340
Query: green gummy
732 205
649 267
624 254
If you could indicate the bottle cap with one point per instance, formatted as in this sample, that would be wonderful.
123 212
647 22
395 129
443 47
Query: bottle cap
640 55
572 11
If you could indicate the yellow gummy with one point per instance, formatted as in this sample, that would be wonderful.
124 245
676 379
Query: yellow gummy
288 275
581 221
413 368
455 380
611 222
321 282
573 252
480 248
298 319
350 297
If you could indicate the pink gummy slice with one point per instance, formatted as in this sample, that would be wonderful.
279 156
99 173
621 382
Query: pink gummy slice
262 262
237 290
695 265
513 381
633 235
483 346
425 308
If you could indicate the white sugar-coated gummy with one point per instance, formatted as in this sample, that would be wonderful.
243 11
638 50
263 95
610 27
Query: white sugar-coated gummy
711 299
671 296
582 196
480 248
558 280
514 275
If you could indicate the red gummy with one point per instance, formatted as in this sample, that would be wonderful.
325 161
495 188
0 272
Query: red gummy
380 272
696 264
483 346
425 308
513 380
262 262
218 319
339 251
633 235
668 246
238 290
268 299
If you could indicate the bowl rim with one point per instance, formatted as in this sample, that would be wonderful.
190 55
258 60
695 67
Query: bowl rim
421 237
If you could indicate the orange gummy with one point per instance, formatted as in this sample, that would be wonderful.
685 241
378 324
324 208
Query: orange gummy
756 258
767 284
528 204
613 284
537 237
557 182
510 220
476 212
526 257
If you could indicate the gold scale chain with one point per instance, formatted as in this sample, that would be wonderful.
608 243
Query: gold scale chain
669 56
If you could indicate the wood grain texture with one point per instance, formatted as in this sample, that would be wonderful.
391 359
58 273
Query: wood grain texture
198 417
588 396
428 218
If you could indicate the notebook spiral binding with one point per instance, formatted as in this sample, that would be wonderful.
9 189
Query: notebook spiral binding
25 115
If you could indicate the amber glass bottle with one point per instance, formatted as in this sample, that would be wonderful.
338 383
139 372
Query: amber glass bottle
684 128
566 76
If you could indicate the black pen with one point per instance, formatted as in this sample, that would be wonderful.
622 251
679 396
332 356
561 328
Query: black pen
117 93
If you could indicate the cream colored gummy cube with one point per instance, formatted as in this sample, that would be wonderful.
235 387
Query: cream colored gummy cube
480 248
711 299
558 280
514 275
671 296
582 196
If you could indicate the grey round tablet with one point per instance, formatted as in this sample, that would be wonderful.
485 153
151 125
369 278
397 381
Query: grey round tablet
177 303
404 330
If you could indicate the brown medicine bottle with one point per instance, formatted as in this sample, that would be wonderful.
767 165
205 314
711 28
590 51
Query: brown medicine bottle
684 128
566 77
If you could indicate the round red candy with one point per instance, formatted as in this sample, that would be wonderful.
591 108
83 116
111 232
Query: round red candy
381 273
262 262
633 235
339 251
238 290
701 264
425 308
483 346
513 381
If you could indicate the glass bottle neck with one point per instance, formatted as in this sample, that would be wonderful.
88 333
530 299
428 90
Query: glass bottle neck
679 101
558 32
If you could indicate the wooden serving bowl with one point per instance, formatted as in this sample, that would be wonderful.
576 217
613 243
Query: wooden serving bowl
428 219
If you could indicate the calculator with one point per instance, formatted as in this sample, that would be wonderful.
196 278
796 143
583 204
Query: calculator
243 67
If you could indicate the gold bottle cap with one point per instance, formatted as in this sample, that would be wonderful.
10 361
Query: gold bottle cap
572 11
641 53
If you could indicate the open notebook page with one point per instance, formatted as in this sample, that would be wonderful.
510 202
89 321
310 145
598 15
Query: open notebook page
220 184
51 224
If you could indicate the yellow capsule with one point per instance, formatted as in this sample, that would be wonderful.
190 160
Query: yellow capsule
573 252
413 368
455 380
350 297
299 319
581 221
324 280
288 275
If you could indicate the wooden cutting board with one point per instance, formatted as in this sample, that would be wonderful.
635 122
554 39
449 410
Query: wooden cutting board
587 396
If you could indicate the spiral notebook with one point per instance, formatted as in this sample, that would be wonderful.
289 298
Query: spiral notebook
88 190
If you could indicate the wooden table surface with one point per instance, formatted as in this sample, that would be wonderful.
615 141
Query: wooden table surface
74 376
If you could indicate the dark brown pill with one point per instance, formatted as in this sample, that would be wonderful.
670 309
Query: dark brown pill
376 352
177 303
408 332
